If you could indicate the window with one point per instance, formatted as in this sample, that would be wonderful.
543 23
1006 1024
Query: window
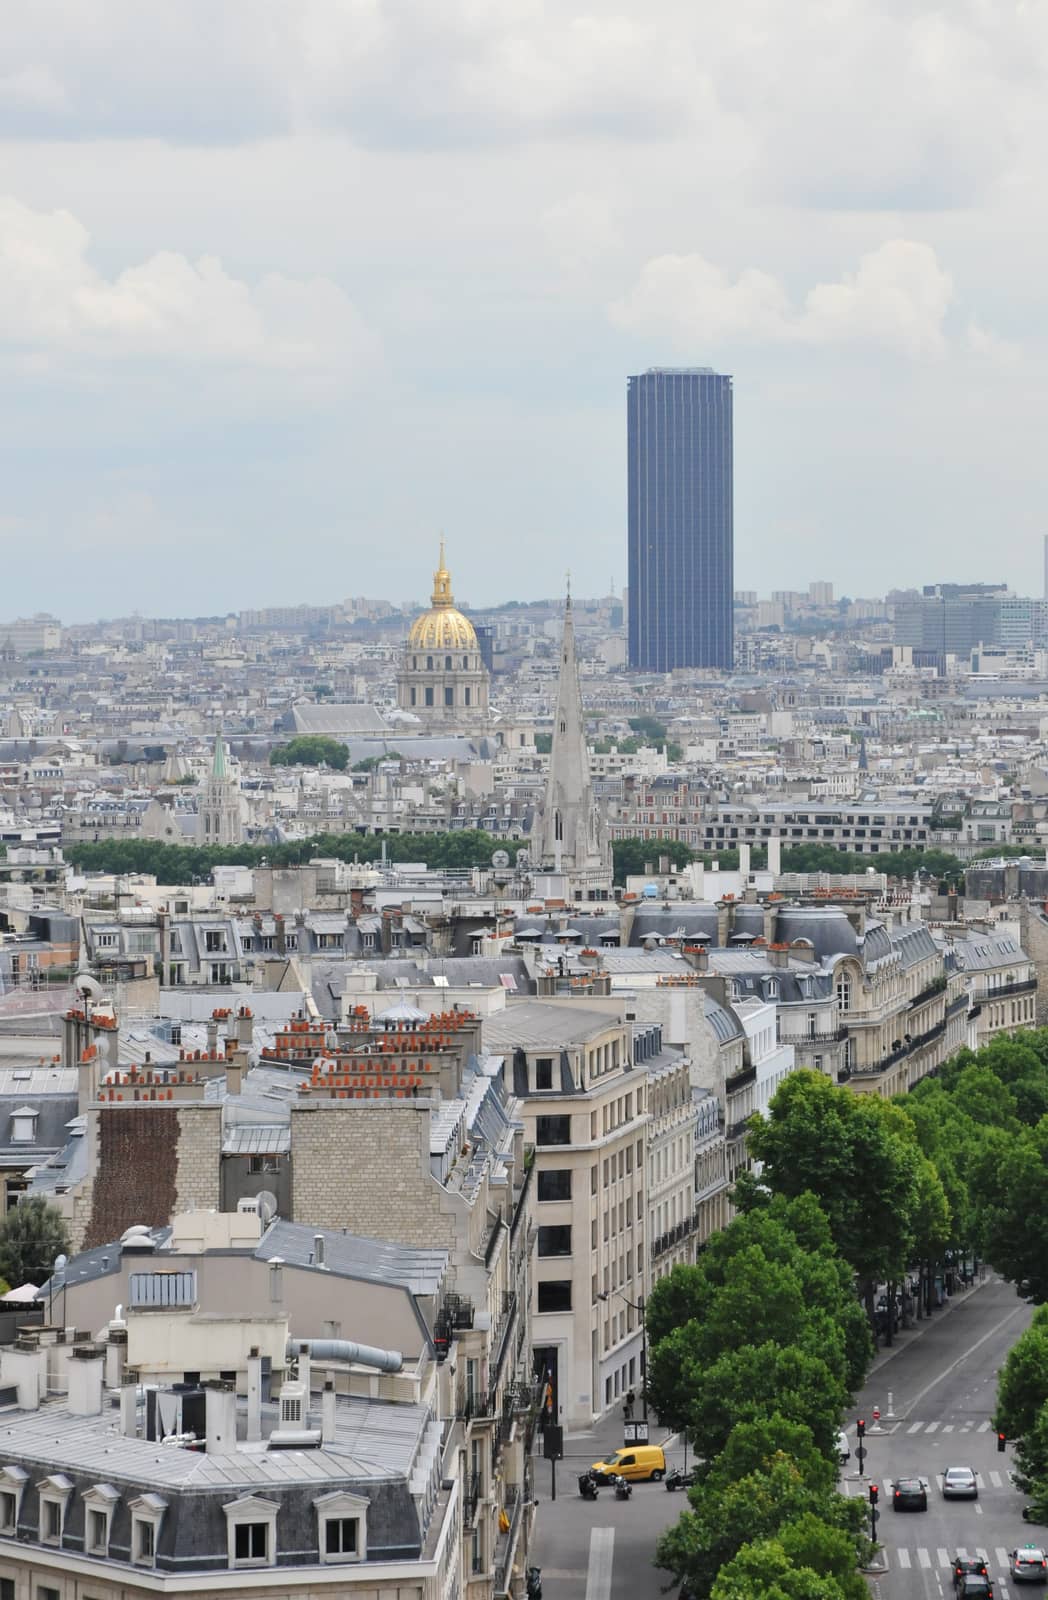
447 663
844 992
98 1515
341 1526
23 1125
251 1541
251 1524
449 697
544 1072
467 696
8 1511
429 697
553 1130
555 1185
43 1592
555 1241
214 941
12 1483
54 1497
147 1514
264 1164
555 1296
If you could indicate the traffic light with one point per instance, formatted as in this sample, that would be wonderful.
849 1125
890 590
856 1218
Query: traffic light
874 1494
860 1428
1002 1440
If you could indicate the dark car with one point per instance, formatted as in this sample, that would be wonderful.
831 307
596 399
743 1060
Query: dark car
963 1564
910 1494
972 1586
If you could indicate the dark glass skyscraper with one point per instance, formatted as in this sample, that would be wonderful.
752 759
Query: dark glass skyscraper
681 570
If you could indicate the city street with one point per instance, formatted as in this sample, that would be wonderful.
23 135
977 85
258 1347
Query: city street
942 1382
941 1376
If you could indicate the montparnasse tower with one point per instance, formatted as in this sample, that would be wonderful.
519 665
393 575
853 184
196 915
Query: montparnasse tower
442 677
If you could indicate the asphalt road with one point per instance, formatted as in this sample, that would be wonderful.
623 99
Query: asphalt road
942 1387
941 1377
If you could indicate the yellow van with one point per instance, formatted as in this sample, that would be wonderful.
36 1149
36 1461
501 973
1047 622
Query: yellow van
636 1461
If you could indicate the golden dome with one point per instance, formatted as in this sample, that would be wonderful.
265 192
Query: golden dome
442 627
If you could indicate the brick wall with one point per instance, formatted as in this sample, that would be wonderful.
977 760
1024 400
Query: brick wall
199 1158
364 1165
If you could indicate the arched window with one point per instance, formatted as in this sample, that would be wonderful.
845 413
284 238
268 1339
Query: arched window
558 825
563 726
844 992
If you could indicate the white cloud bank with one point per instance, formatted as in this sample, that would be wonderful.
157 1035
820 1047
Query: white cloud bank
54 302
898 297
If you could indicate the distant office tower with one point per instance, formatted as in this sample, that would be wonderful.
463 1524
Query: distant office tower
681 570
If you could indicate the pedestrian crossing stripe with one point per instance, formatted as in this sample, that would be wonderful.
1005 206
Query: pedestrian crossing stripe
903 1557
937 1426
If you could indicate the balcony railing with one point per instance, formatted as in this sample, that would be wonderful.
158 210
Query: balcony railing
936 986
673 1236
513 1509
740 1080
470 1498
1004 989
455 1315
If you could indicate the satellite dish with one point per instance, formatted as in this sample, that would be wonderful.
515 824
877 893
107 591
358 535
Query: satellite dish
86 985
266 1201
500 858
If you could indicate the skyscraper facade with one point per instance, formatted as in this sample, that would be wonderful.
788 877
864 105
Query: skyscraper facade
681 565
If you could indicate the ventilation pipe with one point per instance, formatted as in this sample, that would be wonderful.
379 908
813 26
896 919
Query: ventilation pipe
364 1355
327 1413
254 1394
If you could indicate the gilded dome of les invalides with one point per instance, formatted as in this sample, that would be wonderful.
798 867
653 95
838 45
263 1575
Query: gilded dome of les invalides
442 627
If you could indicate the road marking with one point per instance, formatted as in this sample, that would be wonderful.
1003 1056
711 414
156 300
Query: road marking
977 1508
598 1575
942 1558
945 1373
947 1427
924 1558
938 1480
979 1484
983 1427
904 1557
1002 1556
966 1427
931 1427
915 1427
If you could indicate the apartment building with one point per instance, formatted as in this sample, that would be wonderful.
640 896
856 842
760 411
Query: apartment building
586 1112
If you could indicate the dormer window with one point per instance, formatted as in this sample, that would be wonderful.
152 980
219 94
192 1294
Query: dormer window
342 1527
147 1513
54 1495
99 1504
23 1125
252 1531
13 1480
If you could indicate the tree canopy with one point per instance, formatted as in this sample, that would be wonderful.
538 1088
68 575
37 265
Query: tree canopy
311 750
32 1234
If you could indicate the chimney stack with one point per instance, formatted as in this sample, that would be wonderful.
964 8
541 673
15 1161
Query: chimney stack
129 1408
775 856
744 859
86 1368
220 1403
327 1413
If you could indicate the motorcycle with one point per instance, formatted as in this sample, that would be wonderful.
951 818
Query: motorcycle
533 1583
587 1486
676 1479
623 1489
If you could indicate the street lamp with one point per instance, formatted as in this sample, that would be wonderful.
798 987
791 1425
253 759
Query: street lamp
636 1305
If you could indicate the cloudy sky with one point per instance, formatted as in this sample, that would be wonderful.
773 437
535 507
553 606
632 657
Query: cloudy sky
289 286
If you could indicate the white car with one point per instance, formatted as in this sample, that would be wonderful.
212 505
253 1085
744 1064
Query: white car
959 1483
1028 1564
843 1448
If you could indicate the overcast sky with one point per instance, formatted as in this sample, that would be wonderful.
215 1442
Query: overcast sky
289 286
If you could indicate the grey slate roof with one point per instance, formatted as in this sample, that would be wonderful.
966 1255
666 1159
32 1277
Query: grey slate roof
350 1255
532 1024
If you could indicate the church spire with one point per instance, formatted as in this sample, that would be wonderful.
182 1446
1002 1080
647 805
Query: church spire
442 595
218 760
567 833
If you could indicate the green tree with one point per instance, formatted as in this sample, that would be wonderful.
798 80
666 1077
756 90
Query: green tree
632 856
1022 1385
651 730
1010 1188
807 1561
857 1155
369 763
311 750
756 1380
544 743
32 1234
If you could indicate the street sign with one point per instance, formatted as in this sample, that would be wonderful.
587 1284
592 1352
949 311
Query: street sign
635 1433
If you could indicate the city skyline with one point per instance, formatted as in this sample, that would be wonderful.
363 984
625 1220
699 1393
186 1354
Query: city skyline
276 331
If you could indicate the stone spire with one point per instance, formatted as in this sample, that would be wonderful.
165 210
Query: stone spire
568 836
219 816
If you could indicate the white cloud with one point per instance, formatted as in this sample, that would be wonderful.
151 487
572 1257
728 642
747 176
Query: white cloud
54 301
898 297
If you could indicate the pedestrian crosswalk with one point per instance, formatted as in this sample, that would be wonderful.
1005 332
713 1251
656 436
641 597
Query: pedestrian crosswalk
926 1557
936 1425
993 1479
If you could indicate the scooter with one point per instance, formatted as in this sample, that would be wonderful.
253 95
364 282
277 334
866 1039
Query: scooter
533 1583
587 1486
676 1479
623 1488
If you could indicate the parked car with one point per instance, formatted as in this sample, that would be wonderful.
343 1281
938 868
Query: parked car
1027 1564
636 1461
910 1494
959 1483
